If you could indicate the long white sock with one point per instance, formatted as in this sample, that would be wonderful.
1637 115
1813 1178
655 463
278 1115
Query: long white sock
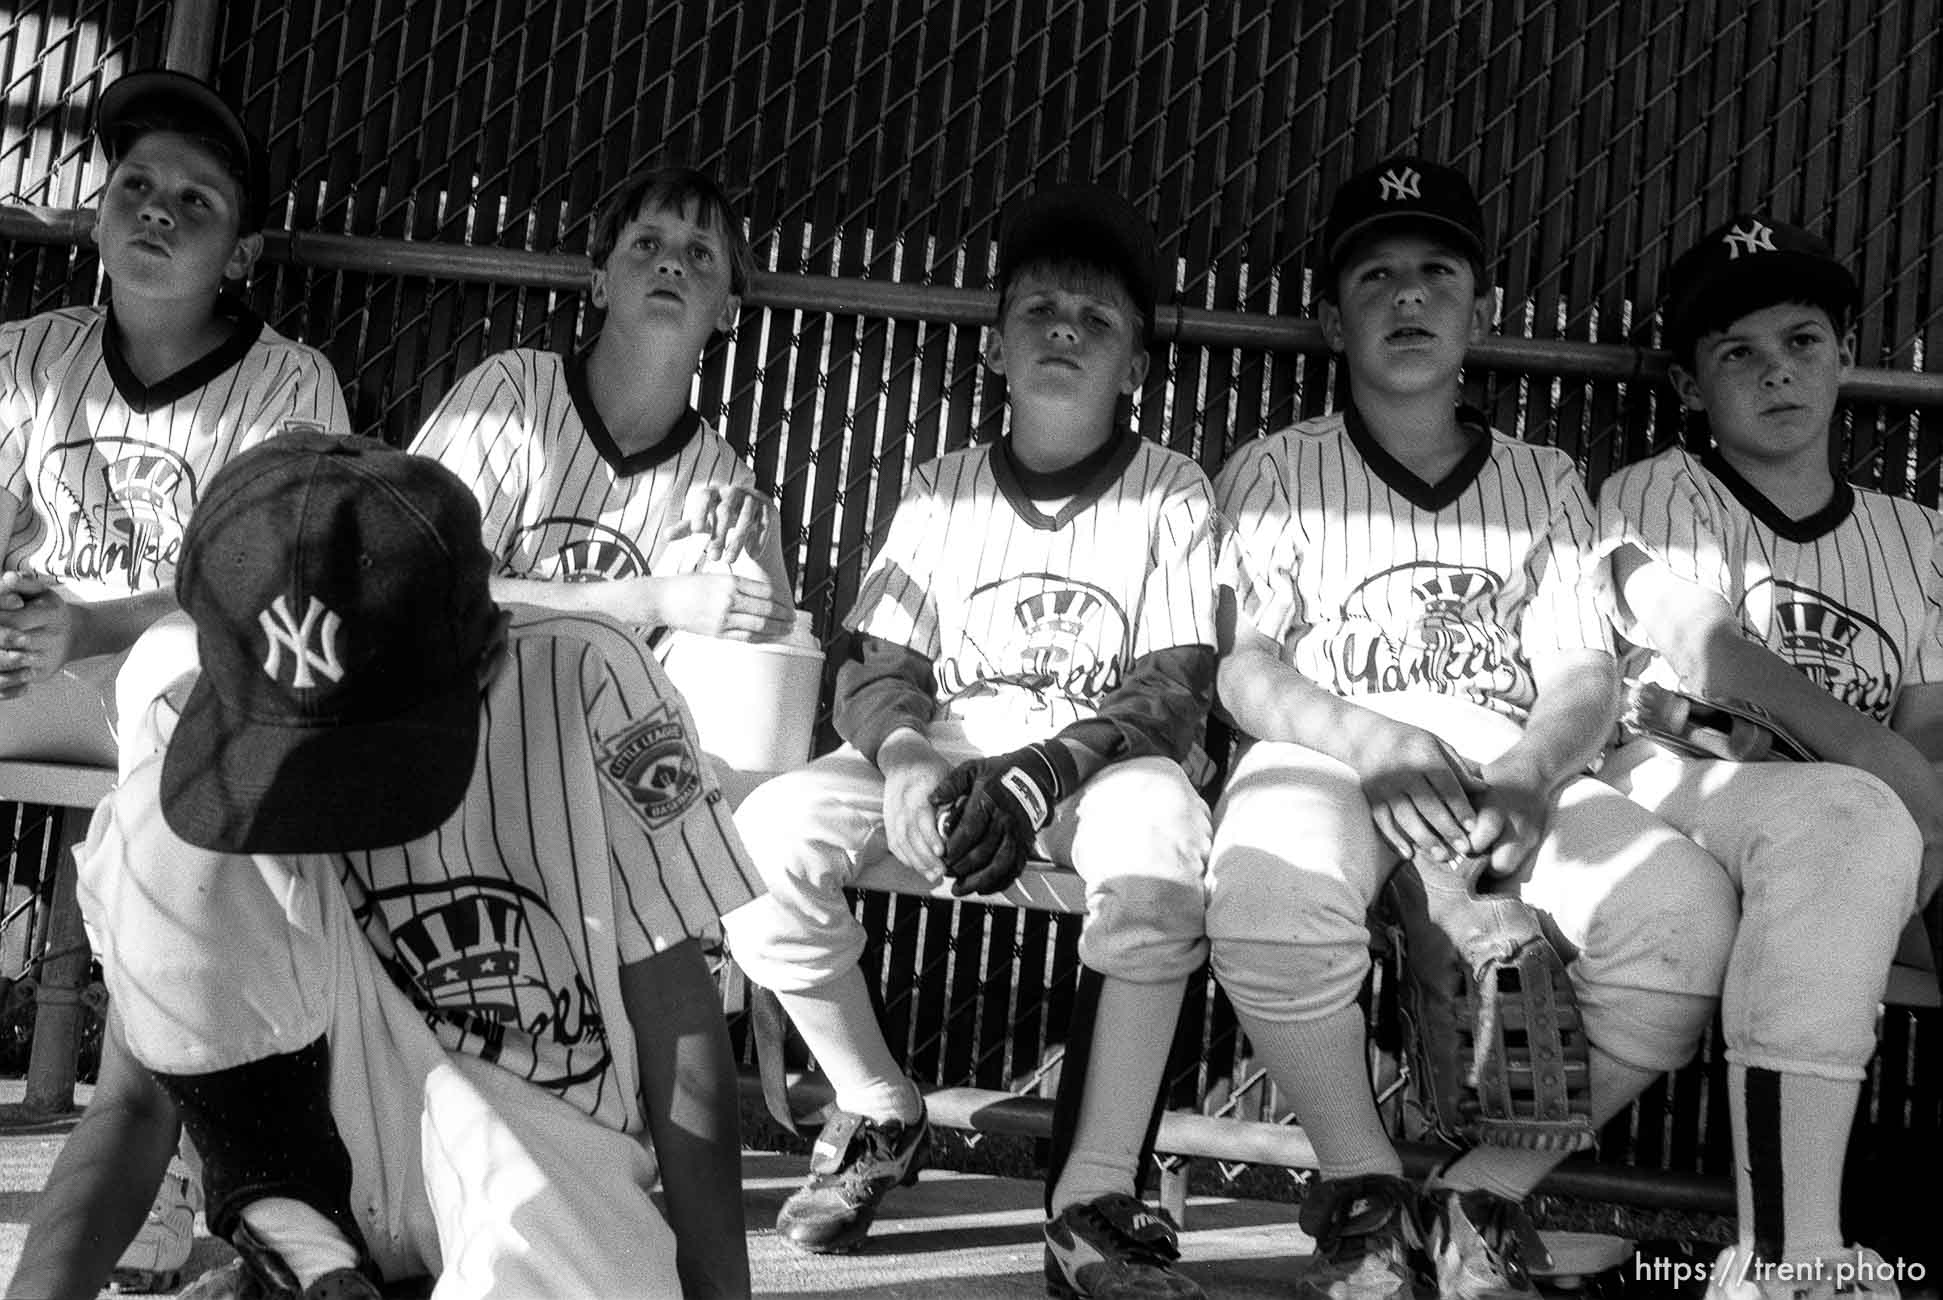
1131 1037
840 1027
1320 1067
309 1243
1512 1173
1791 1137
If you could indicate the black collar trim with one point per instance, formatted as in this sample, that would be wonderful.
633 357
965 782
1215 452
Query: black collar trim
1808 528
687 425
245 328
1082 483
1425 496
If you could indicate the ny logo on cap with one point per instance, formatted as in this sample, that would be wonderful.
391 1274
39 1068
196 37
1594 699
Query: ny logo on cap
287 633
1759 239
1398 185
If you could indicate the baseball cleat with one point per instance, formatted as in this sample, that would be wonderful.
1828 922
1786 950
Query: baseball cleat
1367 1239
155 1258
1114 1248
1480 1245
853 1167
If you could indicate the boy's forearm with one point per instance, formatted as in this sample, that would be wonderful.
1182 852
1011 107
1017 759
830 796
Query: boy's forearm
690 1096
107 627
1270 700
1571 720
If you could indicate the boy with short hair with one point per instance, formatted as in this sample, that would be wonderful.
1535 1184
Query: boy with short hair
111 418
1747 570
468 930
1425 680
591 473
1033 656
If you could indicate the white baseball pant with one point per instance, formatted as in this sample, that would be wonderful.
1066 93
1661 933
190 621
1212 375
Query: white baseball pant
1825 859
460 1169
1646 918
1137 833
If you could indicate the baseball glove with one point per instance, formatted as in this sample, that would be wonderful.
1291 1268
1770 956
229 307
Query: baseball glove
1729 729
1491 1025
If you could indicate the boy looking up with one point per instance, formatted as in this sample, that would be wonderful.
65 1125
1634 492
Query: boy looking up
1748 570
601 487
1425 678
112 418
1033 654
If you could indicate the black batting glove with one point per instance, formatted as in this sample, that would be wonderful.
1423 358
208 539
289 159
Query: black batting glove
990 810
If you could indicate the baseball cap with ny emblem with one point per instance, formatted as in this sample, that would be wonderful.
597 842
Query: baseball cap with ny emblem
338 587
1406 191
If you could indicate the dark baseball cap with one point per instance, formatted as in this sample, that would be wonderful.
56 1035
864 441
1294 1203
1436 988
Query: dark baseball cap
1750 262
1406 191
1085 223
140 97
339 592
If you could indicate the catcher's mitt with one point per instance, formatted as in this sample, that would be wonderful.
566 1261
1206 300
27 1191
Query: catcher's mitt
1491 1024
1729 729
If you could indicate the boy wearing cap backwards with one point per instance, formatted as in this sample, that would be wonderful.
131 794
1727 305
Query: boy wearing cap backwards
458 1031
111 418
1746 569
590 473
1033 656
1426 680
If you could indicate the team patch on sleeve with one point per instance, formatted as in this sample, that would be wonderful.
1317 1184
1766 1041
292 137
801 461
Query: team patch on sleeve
653 764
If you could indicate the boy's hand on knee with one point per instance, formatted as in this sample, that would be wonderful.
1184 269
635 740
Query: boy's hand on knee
995 809
912 770
1513 812
1420 791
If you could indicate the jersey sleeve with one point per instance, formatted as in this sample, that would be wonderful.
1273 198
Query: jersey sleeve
16 415
897 601
1178 602
674 854
479 431
1660 508
1926 667
1564 614
313 397
1263 551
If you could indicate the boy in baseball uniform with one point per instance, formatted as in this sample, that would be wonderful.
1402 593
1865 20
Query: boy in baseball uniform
1426 677
602 489
405 919
1033 656
1744 568
112 418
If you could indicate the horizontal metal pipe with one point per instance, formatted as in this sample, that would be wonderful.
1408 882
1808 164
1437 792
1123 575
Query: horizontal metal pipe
983 1110
1191 326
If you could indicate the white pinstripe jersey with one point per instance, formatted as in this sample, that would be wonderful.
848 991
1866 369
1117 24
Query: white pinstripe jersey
561 503
1036 617
98 471
1372 581
1852 595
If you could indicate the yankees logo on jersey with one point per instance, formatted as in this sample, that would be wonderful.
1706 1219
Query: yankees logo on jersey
589 800
1850 595
976 578
1373 581
99 471
559 498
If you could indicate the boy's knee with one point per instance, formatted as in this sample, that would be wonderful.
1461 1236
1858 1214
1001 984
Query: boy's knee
1288 982
1648 1030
